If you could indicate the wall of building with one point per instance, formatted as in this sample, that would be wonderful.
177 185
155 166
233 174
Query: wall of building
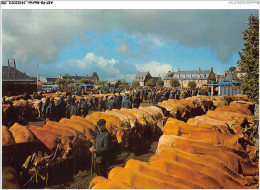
141 83
18 87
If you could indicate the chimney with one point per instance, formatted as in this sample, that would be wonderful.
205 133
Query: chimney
76 75
178 70
211 69
199 69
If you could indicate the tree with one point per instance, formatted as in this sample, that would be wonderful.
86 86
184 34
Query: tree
160 82
86 81
250 59
60 81
125 83
100 83
192 84
175 83
95 76
135 83
150 83
232 68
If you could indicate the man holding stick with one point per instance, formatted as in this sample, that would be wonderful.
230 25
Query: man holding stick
100 148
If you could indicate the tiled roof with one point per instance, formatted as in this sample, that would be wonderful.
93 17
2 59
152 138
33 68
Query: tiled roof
192 75
140 76
19 77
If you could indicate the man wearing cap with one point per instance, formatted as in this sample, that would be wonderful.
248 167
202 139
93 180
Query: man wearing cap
100 148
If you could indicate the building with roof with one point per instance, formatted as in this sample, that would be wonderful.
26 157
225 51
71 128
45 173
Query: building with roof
15 82
184 77
142 77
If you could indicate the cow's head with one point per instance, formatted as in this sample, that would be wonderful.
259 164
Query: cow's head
122 135
65 145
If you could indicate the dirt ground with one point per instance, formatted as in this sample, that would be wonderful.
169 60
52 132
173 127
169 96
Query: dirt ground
83 178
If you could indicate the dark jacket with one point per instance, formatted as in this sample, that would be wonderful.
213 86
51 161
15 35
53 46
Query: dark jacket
111 104
84 109
50 112
101 145
127 104
136 102
73 110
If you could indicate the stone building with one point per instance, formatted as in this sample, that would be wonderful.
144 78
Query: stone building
184 77
142 77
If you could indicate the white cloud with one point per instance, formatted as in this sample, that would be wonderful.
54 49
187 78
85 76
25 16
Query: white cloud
91 59
93 63
155 68
40 35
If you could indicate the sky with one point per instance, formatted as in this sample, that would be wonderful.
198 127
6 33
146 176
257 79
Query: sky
118 43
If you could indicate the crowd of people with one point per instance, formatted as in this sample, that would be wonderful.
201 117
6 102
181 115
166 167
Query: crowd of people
68 105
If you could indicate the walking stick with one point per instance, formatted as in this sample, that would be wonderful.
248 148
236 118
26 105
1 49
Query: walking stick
92 163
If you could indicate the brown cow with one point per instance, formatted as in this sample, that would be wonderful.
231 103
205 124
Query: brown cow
233 161
169 140
85 122
222 126
209 161
79 127
52 140
137 180
149 170
7 137
207 136
100 182
181 170
229 116
235 109
227 181
120 133
244 104
21 133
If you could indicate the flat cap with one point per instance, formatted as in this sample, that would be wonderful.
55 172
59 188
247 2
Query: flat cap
101 122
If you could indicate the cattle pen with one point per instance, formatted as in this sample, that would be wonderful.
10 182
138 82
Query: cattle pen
144 137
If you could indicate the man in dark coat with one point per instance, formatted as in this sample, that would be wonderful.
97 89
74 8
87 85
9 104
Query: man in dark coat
111 104
101 148
73 109
136 102
127 103
50 111
84 108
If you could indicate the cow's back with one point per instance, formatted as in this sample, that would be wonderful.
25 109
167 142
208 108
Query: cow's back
7 137
21 133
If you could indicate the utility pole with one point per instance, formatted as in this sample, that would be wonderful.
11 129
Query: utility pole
37 72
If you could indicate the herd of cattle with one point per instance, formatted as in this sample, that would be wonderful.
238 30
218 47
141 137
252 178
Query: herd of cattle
214 150
29 110
211 151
